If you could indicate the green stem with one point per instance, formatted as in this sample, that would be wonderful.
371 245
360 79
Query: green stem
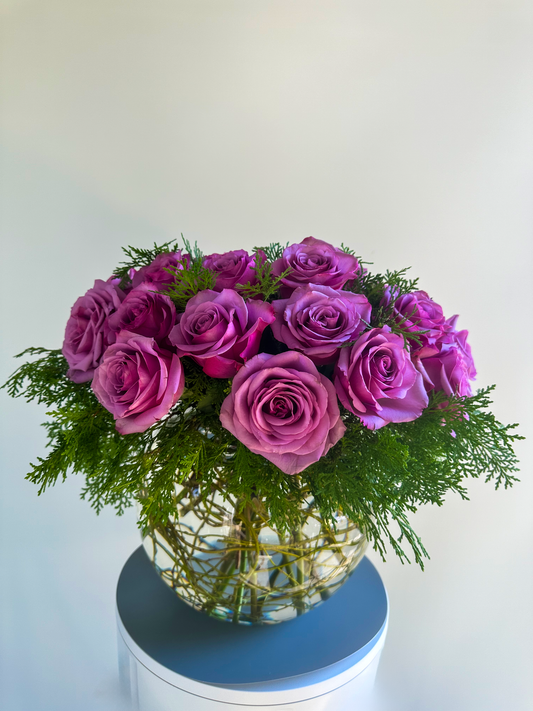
298 600
223 579
239 590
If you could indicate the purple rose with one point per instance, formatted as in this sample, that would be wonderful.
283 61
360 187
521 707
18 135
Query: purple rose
220 330
317 320
138 382
232 268
281 407
376 380
155 273
87 334
144 312
126 288
459 339
418 312
447 371
452 368
316 262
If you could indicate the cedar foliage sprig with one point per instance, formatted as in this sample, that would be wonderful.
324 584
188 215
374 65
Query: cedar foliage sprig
43 380
376 478
273 251
373 286
266 284
189 279
193 250
138 257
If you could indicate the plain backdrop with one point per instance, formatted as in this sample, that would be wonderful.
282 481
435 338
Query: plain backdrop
403 128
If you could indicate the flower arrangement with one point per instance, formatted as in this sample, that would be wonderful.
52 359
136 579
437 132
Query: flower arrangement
289 373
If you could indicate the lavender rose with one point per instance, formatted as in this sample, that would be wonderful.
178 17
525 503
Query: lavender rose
232 268
446 371
87 333
452 368
220 330
155 273
459 339
138 382
126 287
376 380
317 320
144 312
316 262
281 407
418 312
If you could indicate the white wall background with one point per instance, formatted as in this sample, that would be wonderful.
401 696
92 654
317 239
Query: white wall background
401 127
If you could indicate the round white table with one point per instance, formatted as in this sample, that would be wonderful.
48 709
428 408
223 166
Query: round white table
173 658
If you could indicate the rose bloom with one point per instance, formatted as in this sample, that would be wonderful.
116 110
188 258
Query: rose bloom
459 339
452 368
281 407
87 333
138 382
126 287
316 262
447 371
418 312
144 312
155 273
232 268
376 380
220 330
317 320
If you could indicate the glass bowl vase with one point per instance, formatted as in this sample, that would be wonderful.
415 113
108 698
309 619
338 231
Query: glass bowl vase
227 560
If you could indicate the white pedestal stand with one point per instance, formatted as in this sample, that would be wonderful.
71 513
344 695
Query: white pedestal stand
172 658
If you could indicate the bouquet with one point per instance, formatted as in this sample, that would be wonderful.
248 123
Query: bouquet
287 376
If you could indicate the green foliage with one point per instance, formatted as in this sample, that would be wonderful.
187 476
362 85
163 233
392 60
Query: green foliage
193 250
375 478
348 250
267 284
379 477
273 251
138 257
373 286
189 280
44 380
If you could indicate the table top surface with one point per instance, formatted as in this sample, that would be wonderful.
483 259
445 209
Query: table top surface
211 651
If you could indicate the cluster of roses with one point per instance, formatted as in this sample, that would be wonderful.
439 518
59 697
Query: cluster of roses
130 344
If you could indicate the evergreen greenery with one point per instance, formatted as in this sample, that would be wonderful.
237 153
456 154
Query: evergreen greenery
273 251
376 478
266 283
137 257
189 281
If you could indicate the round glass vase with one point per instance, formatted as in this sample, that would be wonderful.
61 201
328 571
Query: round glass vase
228 561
